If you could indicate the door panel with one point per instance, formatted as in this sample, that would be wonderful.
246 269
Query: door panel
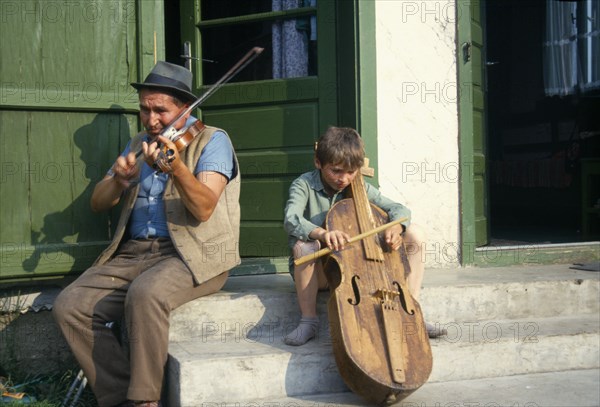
50 169
274 126
67 110
472 128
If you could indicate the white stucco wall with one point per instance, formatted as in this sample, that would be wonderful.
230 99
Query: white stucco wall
417 118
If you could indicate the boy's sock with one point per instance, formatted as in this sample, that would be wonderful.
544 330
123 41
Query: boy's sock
306 330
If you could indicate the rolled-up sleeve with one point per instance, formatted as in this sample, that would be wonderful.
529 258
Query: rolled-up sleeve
295 223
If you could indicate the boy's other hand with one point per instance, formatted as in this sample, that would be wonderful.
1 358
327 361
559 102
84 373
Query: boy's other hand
393 236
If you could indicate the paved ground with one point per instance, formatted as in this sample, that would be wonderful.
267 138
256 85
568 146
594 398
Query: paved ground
578 388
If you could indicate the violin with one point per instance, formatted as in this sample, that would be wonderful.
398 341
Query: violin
183 137
182 140
380 341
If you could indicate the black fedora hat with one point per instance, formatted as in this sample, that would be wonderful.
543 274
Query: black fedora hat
173 79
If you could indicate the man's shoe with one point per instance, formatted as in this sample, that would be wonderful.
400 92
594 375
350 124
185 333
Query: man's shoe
435 331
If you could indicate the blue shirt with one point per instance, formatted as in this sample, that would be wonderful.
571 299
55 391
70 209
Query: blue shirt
148 218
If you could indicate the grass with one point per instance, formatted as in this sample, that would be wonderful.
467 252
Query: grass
46 390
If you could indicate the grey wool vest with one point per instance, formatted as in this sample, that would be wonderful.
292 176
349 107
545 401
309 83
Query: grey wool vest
207 248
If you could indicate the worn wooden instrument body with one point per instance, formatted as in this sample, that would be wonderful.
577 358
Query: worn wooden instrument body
379 337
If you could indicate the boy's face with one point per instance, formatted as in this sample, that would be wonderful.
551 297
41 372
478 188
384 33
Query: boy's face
335 177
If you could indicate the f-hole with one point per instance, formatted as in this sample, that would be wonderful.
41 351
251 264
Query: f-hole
356 299
403 299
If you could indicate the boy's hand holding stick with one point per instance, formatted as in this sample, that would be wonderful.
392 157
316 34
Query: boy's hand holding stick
323 252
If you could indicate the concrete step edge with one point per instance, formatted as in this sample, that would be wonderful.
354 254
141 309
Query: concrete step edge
262 300
267 339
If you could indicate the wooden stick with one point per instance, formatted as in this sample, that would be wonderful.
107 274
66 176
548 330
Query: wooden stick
327 250
154 47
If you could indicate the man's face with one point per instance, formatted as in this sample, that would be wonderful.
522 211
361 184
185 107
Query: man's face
336 177
158 110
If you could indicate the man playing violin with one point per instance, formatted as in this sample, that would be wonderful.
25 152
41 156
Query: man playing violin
338 158
176 239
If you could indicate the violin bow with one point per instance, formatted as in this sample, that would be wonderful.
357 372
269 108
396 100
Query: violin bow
170 131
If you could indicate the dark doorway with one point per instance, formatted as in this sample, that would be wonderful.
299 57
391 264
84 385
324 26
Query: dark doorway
542 149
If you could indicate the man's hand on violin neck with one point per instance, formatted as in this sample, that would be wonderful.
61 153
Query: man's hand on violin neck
158 149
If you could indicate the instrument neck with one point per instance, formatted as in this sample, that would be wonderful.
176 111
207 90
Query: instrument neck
366 220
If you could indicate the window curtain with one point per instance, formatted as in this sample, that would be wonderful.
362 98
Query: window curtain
571 47
290 40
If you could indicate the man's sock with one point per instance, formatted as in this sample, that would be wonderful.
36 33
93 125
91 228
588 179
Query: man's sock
306 330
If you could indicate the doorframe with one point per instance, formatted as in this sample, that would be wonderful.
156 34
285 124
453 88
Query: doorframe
357 73
353 84
473 174
491 256
356 90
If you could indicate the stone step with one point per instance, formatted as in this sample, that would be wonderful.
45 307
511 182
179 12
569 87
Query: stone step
252 304
227 348
229 369
573 388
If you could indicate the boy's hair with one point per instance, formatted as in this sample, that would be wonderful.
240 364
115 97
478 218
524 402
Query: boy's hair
341 146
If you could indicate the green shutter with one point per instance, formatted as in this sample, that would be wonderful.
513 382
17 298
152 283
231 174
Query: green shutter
66 112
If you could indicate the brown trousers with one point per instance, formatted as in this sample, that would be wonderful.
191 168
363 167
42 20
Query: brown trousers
142 283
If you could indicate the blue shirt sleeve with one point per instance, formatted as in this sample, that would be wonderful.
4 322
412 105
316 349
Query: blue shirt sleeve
127 149
218 156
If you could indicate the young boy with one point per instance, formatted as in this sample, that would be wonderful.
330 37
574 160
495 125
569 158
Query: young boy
338 158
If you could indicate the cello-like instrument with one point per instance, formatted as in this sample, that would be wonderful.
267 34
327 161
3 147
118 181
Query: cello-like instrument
379 337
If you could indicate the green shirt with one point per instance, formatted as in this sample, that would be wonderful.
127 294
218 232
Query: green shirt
308 204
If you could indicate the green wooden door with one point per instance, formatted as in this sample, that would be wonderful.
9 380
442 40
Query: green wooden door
272 117
66 111
472 128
